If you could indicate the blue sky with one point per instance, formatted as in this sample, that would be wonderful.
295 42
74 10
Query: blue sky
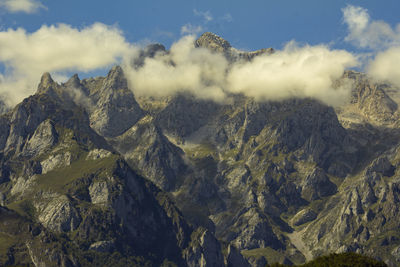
88 37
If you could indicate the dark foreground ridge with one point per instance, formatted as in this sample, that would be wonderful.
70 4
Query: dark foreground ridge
348 259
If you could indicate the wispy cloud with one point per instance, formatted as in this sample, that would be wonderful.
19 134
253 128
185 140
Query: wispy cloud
190 29
23 6
206 15
162 33
227 17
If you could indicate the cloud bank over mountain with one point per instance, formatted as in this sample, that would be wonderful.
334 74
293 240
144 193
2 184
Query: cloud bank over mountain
295 71
386 66
307 71
56 49
184 68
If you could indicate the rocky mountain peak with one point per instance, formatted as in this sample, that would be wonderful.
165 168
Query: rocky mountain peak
218 44
116 79
352 74
372 99
115 109
45 83
148 52
74 81
152 49
115 71
46 79
213 42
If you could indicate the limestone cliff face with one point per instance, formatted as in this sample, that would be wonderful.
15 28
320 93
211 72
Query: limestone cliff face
65 179
371 101
204 250
358 210
183 115
146 148
3 107
91 178
115 109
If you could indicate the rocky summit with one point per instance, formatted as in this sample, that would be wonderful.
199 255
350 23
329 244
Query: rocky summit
90 175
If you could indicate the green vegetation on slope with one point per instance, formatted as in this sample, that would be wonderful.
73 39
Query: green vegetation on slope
348 259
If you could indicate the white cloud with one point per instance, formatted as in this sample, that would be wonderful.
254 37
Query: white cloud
384 63
206 15
386 66
367 33
25 6
189 29
56 48
308 71
193 70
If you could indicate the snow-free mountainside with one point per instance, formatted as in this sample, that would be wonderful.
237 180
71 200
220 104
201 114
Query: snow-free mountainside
91 175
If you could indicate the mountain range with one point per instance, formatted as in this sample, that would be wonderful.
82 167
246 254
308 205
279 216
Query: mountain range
92 175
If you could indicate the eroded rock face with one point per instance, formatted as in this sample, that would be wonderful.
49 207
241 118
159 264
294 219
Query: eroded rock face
204 251
396 253
35 245
98 154
257 233
145 147
99 193
115 108
304 216
359 210
317 185
185 114
24 119
235 258
58 214
56 161
371 101
3 107
374 102
103 246
44 137
4 131
22 185
381 166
